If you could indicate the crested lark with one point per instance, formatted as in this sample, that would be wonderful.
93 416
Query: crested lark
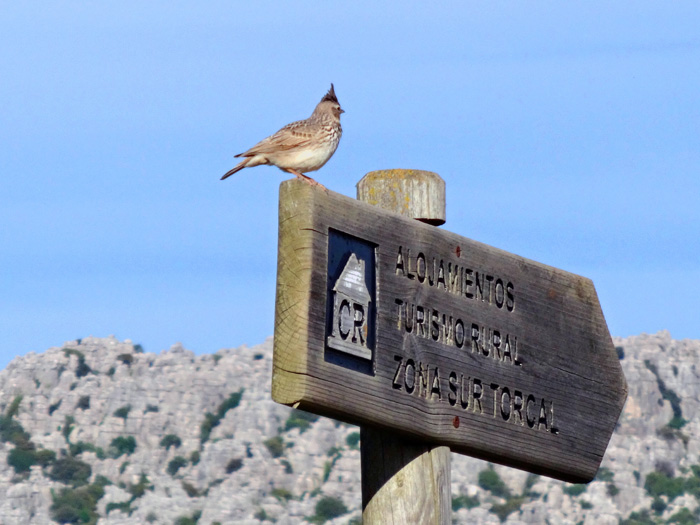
302 146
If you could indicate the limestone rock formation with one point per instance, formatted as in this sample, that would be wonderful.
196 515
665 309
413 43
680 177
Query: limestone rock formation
98 431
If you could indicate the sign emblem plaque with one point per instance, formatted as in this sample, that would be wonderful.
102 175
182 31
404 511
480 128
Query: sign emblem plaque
351 302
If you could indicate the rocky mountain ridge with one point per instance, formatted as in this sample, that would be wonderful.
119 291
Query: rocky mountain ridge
98 431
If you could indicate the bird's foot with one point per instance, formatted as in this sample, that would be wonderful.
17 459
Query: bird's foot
307 179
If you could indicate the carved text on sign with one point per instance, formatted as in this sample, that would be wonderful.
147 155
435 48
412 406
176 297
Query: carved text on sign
509 404
456 279
450 330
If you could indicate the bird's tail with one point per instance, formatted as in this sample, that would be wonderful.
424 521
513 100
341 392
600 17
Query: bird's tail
235 170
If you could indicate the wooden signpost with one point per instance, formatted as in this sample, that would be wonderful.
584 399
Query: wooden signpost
387 322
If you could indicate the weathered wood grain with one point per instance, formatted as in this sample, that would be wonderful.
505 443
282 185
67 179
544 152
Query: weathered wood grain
415 194
549 407
404 481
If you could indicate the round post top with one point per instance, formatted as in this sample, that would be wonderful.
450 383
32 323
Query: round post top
416 194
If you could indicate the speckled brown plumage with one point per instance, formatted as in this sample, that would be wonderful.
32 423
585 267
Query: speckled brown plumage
302 146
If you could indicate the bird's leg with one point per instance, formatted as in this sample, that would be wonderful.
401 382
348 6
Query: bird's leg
305 178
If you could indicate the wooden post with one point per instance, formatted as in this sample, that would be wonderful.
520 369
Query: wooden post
404 482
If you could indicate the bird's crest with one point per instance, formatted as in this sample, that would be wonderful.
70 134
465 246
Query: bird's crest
330 96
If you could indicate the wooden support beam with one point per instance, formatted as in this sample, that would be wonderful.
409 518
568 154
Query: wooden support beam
404 482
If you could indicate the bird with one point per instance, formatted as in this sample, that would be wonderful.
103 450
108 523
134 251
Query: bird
302 146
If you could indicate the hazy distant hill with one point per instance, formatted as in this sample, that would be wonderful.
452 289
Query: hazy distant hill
98 430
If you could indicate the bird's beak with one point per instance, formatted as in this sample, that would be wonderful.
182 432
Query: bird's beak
342 111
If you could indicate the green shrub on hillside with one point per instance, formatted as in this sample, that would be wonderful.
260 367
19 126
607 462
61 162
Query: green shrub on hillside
275 445
83 403
604 474
676 423
299 419
70 471
54 407
530 482
669 395
658 505
213 420
140 488
692 484
282 495
83 446
136 492
491 481
77 505
639 518
126 359
25 453
13 409
326 509
82 369
12 431
575 489
68 427
189 520
122 445
190 489
176 464
353 440
122 412
464 501
504 510
685 517
170 440
288 469
21 459
234 465
210 421
660 484
122 506
71 351
230 403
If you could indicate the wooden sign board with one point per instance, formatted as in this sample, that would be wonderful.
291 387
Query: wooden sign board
389 322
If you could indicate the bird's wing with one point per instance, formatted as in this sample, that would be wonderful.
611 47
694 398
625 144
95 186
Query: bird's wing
291 136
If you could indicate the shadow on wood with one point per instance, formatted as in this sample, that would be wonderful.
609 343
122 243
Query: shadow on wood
404 481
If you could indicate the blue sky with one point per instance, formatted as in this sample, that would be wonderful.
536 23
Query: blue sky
568 133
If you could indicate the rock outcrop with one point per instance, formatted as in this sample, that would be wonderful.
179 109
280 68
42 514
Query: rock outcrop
97 430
